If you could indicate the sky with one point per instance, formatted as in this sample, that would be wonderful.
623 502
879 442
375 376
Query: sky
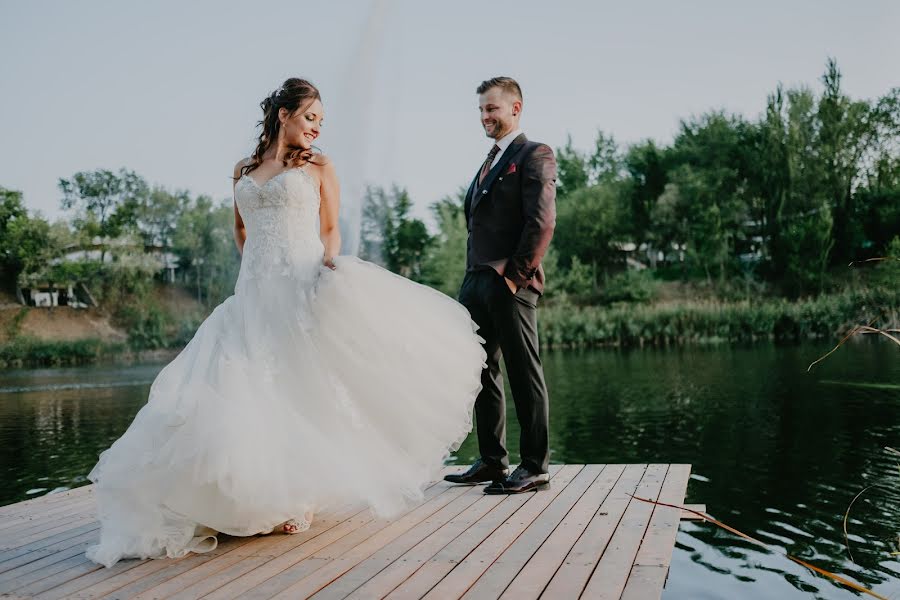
171 89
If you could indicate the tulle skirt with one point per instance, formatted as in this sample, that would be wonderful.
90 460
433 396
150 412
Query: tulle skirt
302 393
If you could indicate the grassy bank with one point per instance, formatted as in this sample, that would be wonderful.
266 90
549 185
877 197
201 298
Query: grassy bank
31 352
27 351
562 324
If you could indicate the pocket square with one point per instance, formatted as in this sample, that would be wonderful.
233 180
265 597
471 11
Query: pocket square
511 169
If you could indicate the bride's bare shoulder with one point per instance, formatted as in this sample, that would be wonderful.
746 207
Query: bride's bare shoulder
322 167
240 165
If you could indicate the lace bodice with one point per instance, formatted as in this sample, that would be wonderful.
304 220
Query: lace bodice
281 220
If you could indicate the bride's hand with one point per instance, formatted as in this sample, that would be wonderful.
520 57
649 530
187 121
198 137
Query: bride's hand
328 261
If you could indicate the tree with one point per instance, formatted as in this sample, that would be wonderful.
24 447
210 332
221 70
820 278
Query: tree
407 239
576 170
26 243
203 242
389 236
157 215
445 264
106 203
572 169
646 166
588 226
709 171
375 224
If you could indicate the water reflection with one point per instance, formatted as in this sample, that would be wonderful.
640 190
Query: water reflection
776 452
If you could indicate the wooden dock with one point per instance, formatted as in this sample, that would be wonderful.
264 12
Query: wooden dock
584 536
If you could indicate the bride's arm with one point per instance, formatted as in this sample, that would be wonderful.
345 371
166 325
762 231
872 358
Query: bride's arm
329 192
240 232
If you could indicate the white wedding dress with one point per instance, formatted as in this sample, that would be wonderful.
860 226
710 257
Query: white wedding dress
306 391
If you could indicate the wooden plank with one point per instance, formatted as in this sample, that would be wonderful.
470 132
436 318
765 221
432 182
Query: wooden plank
25 526
609 577
347 560
645 581
35 504
224 569
531 580
48 571
45 533
583 537
472 566
14 525
25 509
431 572
16 578
503 570
309 563
27 556
173 582
657 545
689 516
9 553
571 577
58 579
100 581
288 558
210 584
401 569
392 551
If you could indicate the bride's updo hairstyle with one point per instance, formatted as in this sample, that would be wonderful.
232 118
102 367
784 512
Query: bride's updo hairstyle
295 94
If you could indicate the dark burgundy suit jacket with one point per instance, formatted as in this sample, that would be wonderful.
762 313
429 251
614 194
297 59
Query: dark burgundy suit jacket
511 216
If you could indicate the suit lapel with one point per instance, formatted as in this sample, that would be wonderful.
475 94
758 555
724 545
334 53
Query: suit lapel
483 190
469 196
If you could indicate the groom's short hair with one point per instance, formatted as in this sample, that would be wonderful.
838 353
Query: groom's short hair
507 84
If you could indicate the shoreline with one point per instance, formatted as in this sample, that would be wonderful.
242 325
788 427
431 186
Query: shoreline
564 325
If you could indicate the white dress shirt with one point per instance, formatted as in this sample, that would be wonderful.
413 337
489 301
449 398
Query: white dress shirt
504 142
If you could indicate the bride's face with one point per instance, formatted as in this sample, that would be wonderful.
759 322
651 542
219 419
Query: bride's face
302 128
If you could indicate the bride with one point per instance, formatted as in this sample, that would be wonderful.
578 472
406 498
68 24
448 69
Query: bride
324 381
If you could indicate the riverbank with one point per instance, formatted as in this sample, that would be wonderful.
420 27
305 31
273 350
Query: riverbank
685 322
561 324
32 352
151 327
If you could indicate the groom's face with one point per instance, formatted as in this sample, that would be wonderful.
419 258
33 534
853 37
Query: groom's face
500 112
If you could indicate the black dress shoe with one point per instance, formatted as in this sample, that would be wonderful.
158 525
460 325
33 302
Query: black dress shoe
479 472
521 480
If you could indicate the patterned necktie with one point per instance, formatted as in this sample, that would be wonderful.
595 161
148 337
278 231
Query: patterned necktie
487 163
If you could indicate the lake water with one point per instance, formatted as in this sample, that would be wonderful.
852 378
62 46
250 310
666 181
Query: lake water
777 452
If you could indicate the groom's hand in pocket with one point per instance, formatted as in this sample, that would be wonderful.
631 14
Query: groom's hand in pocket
512 286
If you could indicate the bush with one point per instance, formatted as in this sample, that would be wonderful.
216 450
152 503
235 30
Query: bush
25 350
630 286
563 324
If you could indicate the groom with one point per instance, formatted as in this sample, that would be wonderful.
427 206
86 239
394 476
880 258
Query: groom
510 210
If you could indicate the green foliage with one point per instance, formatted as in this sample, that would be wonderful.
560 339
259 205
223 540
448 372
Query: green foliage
158 213
588 224
444 265
106 204
390 236
748 212
26 243
630 286
563 324
575 281
30 351
576 170
202 240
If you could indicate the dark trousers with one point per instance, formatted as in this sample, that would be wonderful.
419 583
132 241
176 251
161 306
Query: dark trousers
508 324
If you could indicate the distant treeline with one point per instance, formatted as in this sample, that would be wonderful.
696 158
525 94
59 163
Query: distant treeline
735 211
769 206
